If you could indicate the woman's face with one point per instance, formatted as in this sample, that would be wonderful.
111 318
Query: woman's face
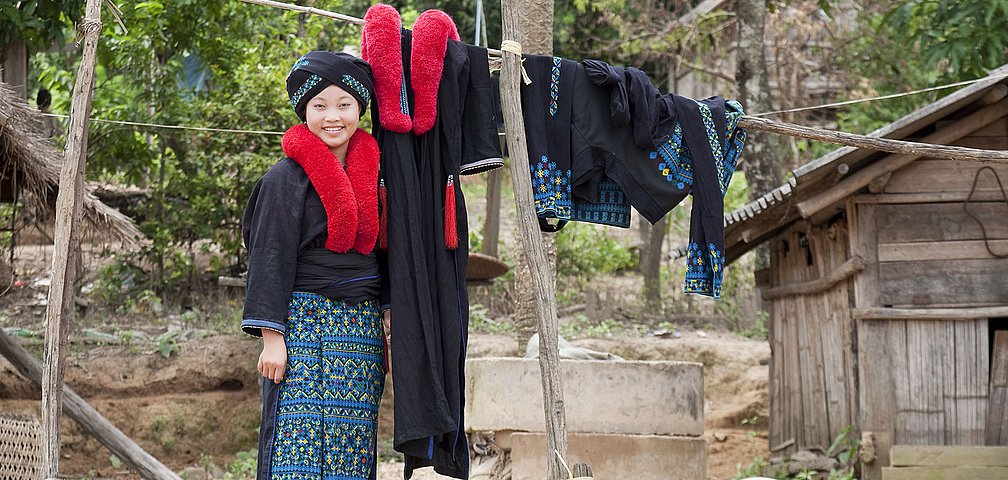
333 116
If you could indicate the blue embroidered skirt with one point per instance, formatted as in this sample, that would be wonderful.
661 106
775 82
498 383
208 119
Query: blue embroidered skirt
321 421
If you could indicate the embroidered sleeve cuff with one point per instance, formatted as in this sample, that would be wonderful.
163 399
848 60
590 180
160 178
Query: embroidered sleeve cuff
481 166
253 326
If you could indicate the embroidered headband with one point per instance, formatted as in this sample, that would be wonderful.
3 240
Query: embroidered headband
316 70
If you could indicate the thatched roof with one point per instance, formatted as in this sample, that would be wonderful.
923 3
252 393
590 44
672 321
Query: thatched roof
38 163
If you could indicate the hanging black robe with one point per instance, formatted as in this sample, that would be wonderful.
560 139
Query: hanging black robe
429 302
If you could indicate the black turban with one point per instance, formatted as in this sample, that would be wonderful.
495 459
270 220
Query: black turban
316 70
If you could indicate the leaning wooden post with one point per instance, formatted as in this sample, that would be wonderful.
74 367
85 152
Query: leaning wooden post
67 240
531 240
88 418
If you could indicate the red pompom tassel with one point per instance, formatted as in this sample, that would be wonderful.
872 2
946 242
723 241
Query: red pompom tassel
450 230
383 227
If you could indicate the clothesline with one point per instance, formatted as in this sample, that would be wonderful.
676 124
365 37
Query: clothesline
360 21
325 13
881 97
749 122
173 127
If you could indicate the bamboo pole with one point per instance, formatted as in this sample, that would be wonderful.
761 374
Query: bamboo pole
88 418
531 240
67 240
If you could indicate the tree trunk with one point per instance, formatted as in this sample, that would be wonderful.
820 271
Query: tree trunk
763 150
14 68
491 225
653 236
652 268
536 38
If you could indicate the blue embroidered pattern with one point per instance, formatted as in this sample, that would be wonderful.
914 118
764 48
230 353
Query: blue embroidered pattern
673 161
403 98
554 86
608 207
551 189
734 143
705 265
303 89
357 86
704 270
298 64
327 410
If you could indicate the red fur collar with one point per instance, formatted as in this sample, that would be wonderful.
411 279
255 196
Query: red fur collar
350 196
381 46
431 33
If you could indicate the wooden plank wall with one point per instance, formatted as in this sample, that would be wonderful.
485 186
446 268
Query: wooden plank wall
812 382
923 382
936 236
997 411
947 463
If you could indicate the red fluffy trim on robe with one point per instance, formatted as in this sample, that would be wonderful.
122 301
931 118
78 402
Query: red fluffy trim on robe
381 46
431 33
350 196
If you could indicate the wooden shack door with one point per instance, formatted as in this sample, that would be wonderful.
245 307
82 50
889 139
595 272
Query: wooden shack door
812 382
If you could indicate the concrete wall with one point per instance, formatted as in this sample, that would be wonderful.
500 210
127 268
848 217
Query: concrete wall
637 457
660 398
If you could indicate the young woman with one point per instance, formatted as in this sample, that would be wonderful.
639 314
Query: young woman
316 281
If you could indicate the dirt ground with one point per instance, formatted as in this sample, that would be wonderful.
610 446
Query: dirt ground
197 407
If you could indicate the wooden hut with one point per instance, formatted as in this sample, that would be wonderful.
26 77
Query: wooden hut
888 292
30 172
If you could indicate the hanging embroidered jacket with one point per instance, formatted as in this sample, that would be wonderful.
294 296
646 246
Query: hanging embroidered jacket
616 138
547 104
436 122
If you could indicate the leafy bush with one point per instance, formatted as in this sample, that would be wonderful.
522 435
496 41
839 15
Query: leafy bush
585 250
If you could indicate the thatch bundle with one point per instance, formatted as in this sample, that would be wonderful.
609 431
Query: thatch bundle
27 153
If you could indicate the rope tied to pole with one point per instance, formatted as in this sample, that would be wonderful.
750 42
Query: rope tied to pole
88 27
514 47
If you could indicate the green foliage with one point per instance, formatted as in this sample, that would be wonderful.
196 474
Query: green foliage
914 45
754 469
760 329
194 63
962 39
244 466
480 321
38 22
585 250
845 448
806 475
582 327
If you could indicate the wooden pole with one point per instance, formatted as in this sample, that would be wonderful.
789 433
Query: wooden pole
531 240
928 148
841 273
864 176
67 240
88 418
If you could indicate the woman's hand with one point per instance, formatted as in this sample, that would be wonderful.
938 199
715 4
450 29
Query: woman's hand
387 323
273 359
